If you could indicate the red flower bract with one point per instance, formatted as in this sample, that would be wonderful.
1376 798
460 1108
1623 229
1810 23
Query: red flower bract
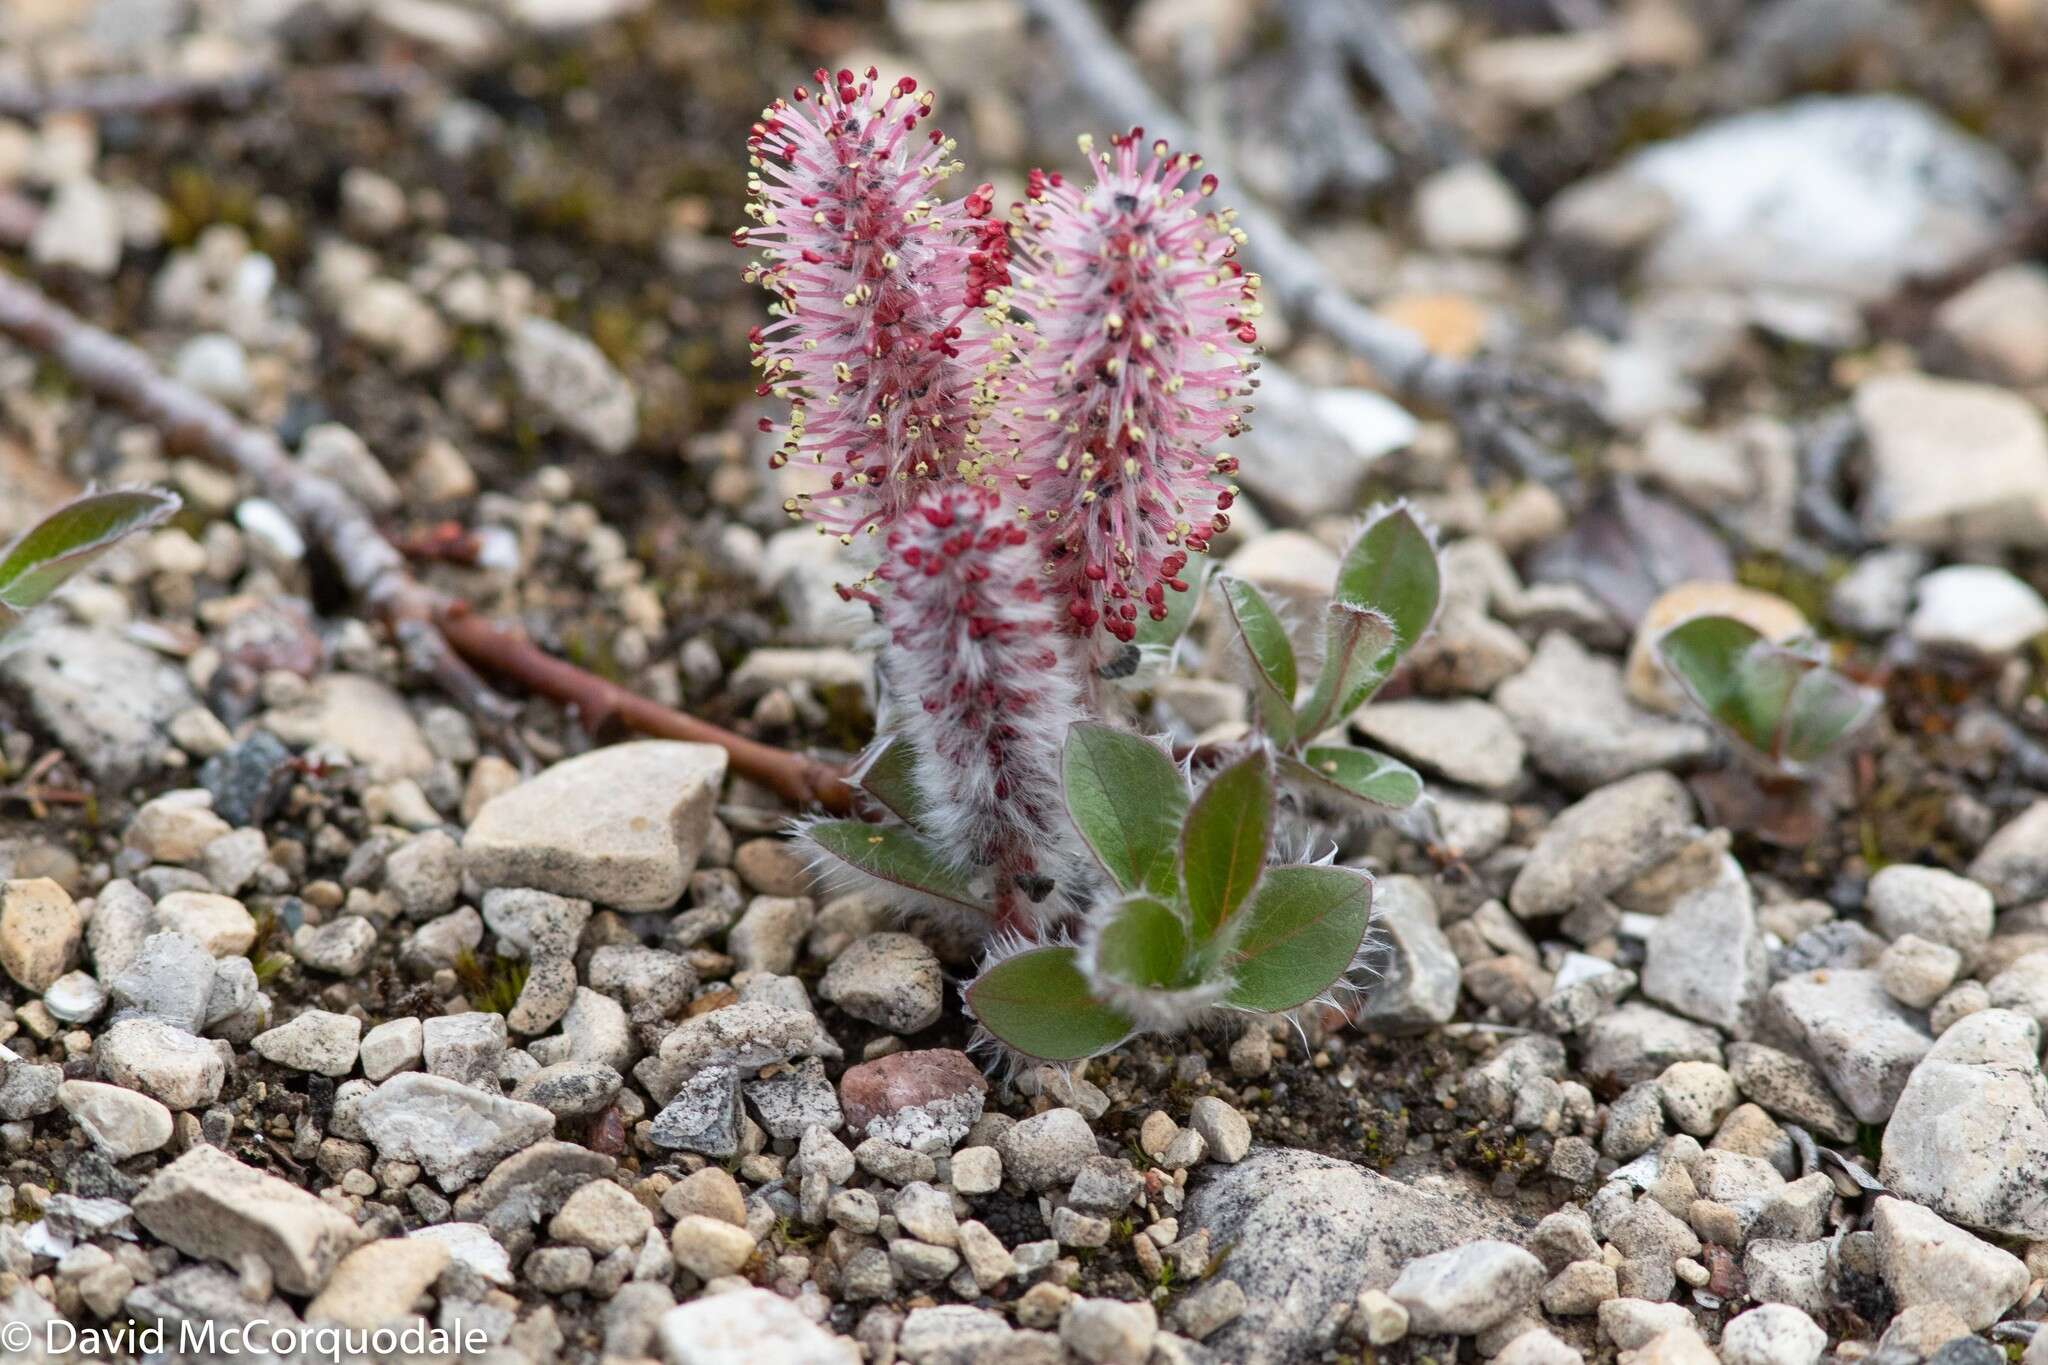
878 345
1134 364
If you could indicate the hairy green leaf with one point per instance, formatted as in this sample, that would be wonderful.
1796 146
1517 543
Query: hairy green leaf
1825 708
1224 842
1301 933
1039 1003
1274 678
894 854
72 537
1358 773
1144 944
891 778
1391 568
1748 686
1126 798
1358 654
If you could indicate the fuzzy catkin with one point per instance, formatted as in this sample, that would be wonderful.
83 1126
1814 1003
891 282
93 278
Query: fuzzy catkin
1133 365
988 688
879 345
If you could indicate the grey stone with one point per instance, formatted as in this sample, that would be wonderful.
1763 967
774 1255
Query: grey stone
211 1206
1925 1260
340 947
1773 1334
120 1122
1863 1041
703 1116
749 1036
620 826
567 377
1601 843
454 1132
1307 1232
1465 741
799 1098
1637 1042
1047 1149
1789 1087
107 702
317 1040
571 1089
1468 1289
1969 1137
1705 958
464 1047
892 980
162 1061
545 929
170 978
361 718
2013 864
1931 902
1573 712
749 1327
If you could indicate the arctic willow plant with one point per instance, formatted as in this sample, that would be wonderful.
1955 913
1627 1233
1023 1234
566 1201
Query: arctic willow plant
1388 585
39 560
1036 457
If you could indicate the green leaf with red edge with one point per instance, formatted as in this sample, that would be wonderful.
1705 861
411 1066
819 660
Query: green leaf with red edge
1393 569
1355 773
1126 797
1274 677
1144 944
1358 654
1039 1003
1224 842
73 536
1300 934
897 855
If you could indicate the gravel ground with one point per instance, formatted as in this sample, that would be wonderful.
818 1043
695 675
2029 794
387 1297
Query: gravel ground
331 1007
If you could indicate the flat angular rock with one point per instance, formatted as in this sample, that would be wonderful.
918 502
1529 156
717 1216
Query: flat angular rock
455 1133
1969 1136
378 1283
1862 1040
1601 843
1925 1260
1467 1289
106 701
1575 716
749 1327
211 1206
892 980
1952 461
162 1061
749 1036
1706 957
1465 741
703 1116
568 377
362 718
620 826
317 1040
1789 1087
1307 1232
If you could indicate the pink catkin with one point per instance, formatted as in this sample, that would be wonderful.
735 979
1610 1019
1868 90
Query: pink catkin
879 347
989 688
1133 366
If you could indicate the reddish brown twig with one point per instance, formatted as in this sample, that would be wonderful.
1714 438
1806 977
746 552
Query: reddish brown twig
426 623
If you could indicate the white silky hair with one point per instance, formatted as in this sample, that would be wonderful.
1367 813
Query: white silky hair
932 655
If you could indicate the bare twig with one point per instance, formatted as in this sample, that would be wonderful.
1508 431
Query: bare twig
426 623
1368 30
1294 279
147 94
